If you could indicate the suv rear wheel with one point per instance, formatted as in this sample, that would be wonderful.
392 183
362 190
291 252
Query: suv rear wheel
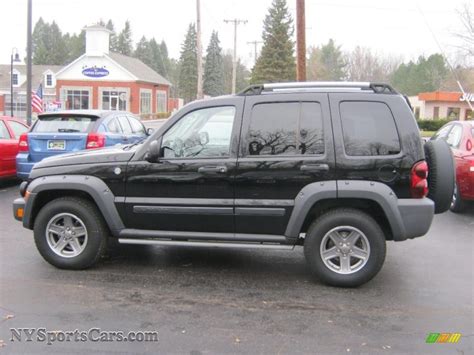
345 247
70 233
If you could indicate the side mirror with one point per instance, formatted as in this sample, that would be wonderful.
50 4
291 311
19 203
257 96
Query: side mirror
149 131
154 152
203 138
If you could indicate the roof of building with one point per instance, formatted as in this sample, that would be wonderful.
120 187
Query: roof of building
142 71
447 96
37 74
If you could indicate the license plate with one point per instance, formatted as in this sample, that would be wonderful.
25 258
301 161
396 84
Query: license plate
56 145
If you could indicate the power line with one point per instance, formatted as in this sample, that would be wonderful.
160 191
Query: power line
236 22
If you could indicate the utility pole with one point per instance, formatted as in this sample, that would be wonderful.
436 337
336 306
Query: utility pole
236 22
199 51
255 48
300 41
28 63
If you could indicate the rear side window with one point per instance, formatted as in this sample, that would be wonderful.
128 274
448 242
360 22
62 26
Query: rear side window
63 124
3 131
113 126
286 128
126 128
369 129
18 129
454 136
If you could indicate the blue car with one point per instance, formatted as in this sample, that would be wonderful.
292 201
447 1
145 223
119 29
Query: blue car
56 133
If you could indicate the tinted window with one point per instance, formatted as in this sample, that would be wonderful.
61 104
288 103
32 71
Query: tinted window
65 124
369 129
137 127
113 126
3 131
201 133
126 128
17 128
454 136
287 128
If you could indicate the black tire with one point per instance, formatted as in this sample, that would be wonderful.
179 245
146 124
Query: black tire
97 232
351 218
458 205
441 174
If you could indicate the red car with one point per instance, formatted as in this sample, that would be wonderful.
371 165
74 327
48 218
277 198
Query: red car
460 137
10 131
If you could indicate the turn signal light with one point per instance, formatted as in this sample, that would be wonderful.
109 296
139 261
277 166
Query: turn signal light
419 182
23 143
95 140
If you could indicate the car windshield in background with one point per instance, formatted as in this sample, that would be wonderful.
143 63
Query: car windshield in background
63 124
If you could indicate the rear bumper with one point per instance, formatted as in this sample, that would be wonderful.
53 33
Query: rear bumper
19 208
23 166
417 215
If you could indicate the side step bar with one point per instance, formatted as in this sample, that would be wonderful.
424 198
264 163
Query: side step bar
205 244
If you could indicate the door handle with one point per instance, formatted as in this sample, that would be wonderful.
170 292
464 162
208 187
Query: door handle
314 167
212 169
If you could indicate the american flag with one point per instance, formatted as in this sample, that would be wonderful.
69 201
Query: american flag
37 100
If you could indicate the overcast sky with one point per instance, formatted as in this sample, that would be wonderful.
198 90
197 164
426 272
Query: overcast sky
388 27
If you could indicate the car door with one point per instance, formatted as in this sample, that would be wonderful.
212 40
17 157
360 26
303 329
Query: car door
190 188
138 129
286 144
126 129
8 150
454 138
114 134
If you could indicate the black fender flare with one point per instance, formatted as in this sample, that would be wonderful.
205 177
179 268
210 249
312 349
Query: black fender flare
90 185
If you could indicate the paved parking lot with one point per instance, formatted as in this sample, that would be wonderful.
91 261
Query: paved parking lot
238 301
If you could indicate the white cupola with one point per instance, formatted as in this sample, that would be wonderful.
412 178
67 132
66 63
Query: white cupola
97 40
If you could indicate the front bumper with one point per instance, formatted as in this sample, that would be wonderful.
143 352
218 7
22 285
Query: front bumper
417 215
19 208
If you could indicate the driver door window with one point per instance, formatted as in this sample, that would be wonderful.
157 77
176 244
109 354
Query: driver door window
204 133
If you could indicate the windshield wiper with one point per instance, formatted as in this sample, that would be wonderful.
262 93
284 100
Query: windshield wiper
128 146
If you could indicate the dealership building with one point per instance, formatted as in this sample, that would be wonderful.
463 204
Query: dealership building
443 104
99 79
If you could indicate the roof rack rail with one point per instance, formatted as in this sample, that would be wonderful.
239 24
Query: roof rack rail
378 88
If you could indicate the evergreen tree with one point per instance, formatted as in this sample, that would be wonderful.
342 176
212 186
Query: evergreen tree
124 40
214 68
188 66
144 52
49 44
113 45
158 64
165 58
276 61
76 45
326 63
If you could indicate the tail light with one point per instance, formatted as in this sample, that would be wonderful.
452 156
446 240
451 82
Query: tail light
419 182
95 140
23 143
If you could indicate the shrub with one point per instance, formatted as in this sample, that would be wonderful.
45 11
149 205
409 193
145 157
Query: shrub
432 125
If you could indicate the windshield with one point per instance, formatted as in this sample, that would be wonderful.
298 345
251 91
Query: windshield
64 124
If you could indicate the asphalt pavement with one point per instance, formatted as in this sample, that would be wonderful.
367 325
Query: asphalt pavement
205 300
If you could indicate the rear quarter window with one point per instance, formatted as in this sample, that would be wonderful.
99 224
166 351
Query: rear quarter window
63 124
369 129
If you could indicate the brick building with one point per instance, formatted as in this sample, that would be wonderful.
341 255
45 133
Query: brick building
98 79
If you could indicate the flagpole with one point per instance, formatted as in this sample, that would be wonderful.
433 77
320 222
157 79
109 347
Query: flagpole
28 64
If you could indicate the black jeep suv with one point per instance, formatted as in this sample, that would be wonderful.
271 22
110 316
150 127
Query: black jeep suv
338 168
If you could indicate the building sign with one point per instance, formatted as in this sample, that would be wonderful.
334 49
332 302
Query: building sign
468 96
95 72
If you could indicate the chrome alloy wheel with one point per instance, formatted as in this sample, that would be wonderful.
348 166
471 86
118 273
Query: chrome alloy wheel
66 235
345 250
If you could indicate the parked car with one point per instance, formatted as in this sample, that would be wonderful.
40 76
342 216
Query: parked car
338 168
10 131
460 137
56 133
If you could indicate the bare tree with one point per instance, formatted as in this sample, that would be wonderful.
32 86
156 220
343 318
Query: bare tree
365 65
466 34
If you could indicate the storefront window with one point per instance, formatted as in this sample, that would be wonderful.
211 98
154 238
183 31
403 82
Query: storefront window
161 102
453 113
469 115
145 102
77 99
436 112
114 100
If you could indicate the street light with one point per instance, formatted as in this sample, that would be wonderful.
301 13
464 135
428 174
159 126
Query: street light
15 57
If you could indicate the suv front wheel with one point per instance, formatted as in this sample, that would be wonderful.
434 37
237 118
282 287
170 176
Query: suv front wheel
345 247
70 233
